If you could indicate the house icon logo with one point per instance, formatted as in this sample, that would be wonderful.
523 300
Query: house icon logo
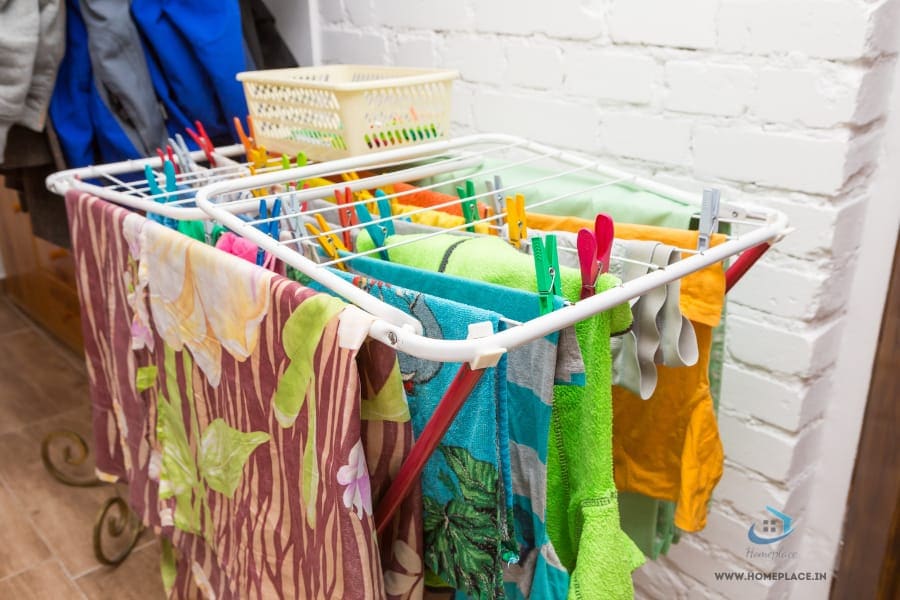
771 530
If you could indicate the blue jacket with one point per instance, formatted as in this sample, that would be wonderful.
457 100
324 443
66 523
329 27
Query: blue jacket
119 109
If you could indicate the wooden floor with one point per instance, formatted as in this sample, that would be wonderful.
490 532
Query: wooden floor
46 527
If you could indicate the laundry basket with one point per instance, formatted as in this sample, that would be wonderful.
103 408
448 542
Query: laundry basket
346 110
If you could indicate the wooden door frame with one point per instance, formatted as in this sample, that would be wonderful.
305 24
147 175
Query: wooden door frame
870 553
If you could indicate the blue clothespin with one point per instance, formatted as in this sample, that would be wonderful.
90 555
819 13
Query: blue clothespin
469 205
156 192
385 211
376 231
264 227
171 188
546 265
275 223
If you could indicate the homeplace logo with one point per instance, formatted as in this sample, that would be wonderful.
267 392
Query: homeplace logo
771 530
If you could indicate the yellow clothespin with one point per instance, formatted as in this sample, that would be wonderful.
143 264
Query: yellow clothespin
361 194
515 220
331 243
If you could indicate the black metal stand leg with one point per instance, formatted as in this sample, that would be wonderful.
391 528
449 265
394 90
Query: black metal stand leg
116 528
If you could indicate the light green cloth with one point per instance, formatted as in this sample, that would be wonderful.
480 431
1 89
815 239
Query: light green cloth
624 203
582 509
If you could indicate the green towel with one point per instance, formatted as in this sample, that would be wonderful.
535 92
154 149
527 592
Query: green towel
582 510
625 203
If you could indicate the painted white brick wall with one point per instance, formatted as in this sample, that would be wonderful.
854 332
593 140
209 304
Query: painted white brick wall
776 102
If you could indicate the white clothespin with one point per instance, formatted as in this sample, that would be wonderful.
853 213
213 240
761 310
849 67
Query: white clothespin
496 196
709 217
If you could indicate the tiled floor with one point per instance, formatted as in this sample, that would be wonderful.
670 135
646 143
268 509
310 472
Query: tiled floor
45 544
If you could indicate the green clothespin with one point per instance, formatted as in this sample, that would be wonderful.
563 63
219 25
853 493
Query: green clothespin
469 205
546 265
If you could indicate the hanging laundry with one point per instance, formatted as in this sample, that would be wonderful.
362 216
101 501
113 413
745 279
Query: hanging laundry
32 43
582 513
533 370
466 484
245 412
196 47
685 468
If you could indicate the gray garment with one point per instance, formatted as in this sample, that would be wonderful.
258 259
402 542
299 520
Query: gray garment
32 43
121 74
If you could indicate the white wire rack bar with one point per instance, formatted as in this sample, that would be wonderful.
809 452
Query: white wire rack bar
400 330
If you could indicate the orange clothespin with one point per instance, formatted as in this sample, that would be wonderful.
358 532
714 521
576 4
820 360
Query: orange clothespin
515 220
246 141
346 213
330 242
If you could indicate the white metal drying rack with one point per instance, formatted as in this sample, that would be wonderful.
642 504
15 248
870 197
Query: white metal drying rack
223 192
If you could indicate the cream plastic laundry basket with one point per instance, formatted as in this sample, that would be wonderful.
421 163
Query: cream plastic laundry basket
346 110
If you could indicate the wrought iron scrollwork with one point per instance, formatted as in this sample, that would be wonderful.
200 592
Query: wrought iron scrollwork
117 524
116 528
74 452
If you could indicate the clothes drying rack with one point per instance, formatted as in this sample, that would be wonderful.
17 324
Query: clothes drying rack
221 193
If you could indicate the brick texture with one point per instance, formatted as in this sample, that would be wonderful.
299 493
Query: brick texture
778 103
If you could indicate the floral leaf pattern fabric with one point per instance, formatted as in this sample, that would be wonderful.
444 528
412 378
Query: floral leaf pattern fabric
224 451
210 467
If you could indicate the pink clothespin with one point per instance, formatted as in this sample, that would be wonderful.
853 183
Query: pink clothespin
594 249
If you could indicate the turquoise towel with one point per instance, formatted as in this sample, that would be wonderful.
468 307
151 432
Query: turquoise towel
530 382
466 485
623 202
582 511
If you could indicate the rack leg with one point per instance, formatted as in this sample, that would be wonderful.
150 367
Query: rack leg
743 263
460 388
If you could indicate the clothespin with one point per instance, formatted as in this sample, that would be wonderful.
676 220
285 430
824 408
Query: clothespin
275 223
248 144
469 205
346 214
385 210
203 142
594 249
709 217
546 264
515 220
183 153
377 231
330 243
496 196
363 195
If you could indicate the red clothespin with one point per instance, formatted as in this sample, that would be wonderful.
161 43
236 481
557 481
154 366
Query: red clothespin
203 142
594 249
346 213
169 154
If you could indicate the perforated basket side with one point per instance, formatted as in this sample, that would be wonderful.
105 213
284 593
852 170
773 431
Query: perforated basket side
338 111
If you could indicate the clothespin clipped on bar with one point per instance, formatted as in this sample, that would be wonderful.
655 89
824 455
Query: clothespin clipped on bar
346 214
183 153
156 192
469 205
546 264
203 142
385 211
377 231
496 197
709 217
362 195
594 249
515 220
330 243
